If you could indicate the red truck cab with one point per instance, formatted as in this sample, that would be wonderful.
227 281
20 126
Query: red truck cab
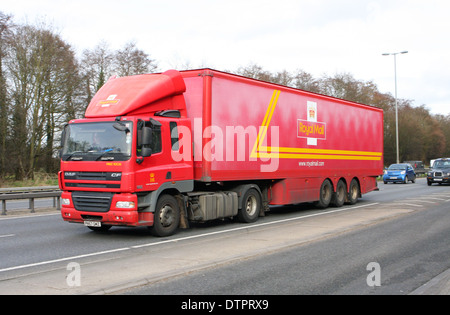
112 158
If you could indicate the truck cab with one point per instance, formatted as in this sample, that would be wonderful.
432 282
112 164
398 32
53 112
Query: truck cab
113 168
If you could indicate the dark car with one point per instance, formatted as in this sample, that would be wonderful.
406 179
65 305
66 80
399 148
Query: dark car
399 173
418 166
440 172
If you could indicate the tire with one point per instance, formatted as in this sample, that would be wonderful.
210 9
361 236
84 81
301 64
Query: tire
326 193
166 217
251 206
354 192
340 195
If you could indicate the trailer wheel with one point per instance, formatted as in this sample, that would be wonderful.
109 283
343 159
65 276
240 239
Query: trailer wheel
326 193
340 194
251 206
167 216
354 193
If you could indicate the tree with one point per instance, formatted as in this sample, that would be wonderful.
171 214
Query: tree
131 61
42 71
345 86
256 72
444 125
5 33
96 67
305 81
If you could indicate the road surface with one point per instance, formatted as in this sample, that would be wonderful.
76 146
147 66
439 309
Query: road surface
402 229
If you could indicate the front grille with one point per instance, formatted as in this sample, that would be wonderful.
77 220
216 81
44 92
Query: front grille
95 176
86 185
437 173
92 201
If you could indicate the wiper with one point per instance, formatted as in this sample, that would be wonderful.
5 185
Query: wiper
103 153
73 153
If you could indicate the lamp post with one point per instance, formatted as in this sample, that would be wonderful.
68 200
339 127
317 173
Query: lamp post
396 102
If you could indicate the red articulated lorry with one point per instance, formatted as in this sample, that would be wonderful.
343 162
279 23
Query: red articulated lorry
163 150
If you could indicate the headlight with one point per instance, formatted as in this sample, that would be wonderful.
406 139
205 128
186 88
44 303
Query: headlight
125 204
65 201
403 172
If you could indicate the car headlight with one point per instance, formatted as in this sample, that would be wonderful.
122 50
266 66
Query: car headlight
65 201
125 204
403 172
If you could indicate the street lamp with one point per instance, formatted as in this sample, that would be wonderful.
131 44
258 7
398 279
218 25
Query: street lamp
396 103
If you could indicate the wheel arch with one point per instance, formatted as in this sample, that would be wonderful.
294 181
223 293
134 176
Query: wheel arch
149 201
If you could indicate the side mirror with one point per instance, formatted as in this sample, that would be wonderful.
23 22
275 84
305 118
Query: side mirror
146 141
146 152
146 136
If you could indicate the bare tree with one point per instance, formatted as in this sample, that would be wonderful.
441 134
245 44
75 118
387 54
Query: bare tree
131 61
305 81
41 69
96 68
5 33
256 72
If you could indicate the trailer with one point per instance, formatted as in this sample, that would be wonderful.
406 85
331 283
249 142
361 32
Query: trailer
162 150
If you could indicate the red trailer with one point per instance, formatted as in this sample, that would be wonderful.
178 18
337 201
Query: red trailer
160 150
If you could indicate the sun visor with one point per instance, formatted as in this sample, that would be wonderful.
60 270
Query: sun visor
120 96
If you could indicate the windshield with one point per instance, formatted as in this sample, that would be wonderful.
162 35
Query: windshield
100 141
397 167
441 164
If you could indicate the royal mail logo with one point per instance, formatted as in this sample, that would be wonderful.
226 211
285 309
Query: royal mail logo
111 100
312 113
309 129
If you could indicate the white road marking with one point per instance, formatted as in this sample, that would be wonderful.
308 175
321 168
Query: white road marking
26 216
409 204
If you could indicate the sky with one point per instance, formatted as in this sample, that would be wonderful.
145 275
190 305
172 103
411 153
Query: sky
321 37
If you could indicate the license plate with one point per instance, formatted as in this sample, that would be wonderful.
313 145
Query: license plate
438 179
393 177
93 223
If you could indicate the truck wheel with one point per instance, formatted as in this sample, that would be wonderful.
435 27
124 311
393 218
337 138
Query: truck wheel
353 194
340 194
326 193
167 216
251 206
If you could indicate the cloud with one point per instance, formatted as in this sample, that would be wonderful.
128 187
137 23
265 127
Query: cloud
318 36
